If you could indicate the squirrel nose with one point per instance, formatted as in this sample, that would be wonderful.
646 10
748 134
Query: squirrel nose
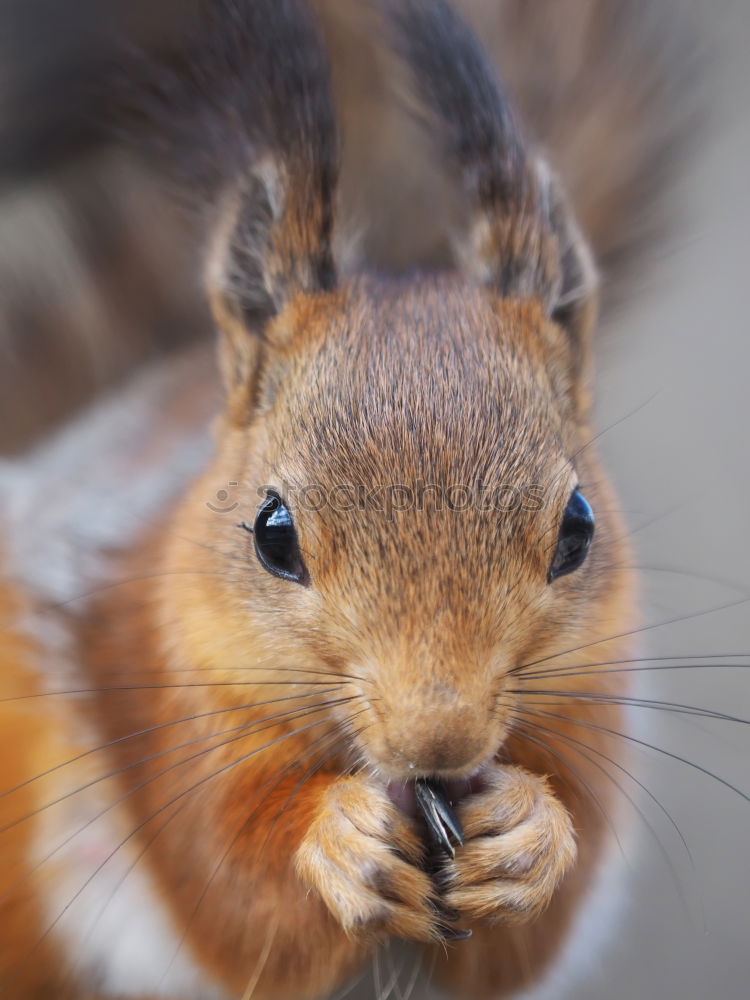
438 743
441 754
443 723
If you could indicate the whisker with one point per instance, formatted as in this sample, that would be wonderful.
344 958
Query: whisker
306 671
411 985
583 749
688 574
584 668
657 518
594 798
396 971
111 585
348 735
349 988
600 753
153 729
120 882
377 980
627 700
156 687
192 788
256 803
569 462
631 632
262 958
152 840
649 746
172 767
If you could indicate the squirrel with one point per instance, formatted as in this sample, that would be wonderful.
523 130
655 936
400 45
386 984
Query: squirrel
382 570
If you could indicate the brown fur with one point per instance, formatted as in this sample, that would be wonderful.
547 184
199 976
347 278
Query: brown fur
270 827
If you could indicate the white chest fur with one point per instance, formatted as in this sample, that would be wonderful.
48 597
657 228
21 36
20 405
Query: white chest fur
113 928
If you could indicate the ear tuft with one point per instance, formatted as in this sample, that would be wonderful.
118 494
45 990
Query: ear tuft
575 304
273 233
522 240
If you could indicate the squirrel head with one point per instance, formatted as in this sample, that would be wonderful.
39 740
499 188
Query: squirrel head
407 453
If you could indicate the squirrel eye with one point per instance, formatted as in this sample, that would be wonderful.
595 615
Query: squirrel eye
276 541
576 533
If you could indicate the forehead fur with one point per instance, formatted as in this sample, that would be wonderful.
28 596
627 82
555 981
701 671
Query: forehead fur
436 384
433 380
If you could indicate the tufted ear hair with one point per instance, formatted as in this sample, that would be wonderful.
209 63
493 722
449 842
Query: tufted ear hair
521 238
274 231
235 109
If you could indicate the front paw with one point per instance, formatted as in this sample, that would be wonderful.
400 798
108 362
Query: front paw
362 855
519 842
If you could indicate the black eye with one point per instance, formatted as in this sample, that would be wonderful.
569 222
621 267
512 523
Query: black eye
276 541
576 533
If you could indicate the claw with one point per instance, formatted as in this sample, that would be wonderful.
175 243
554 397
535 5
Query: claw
442 822
455 933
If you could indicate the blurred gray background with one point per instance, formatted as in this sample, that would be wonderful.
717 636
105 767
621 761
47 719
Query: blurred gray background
684 459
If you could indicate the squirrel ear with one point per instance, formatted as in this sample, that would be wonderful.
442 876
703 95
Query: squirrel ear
522 239
273 240
268 158
576 301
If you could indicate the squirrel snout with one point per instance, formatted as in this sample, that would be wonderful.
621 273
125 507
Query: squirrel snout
440 754
439 742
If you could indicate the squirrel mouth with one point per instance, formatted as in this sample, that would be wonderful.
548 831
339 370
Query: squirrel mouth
410 796
432 800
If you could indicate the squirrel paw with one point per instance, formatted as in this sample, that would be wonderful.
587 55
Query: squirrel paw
519 842
361 854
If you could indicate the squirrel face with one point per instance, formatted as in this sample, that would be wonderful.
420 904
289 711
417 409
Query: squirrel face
423 439
371 396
